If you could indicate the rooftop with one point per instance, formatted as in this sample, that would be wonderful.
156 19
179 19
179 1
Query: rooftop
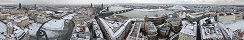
188 28
117 8
54 24
140 13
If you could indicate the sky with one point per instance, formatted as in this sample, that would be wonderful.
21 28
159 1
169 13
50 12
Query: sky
231 2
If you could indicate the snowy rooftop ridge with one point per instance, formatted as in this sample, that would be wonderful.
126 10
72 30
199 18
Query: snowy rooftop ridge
70 16
54 24
236 25
178 7
117 33
22 18
188 28
3 27
34 28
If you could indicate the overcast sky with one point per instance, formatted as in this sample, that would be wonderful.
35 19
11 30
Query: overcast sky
121 1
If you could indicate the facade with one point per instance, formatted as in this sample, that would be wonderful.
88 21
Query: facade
164 30
17 12
81 32
41 19
4 16
175 24
22 22
152 31
155 20
80 18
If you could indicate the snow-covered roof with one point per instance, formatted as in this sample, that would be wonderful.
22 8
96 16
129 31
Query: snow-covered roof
109 29
70 16
20 19
195 15
189 29
4 14
48 11
3 27
178 7
228 31
97 29
208 32
34 28
54 24
236 25
19 32
152 27
60 11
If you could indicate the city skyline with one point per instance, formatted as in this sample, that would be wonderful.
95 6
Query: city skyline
227 2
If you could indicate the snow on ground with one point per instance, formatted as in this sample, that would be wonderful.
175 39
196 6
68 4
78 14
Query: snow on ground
54 24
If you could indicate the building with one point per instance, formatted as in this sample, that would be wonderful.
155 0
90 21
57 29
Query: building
41 19
188 32
17 12
135 33
238 34
56 28
4 16
115 30
164 30
22 22
175 24
152 31
3 30
229 16
81 32
210 30
80 18
156 19
98 33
